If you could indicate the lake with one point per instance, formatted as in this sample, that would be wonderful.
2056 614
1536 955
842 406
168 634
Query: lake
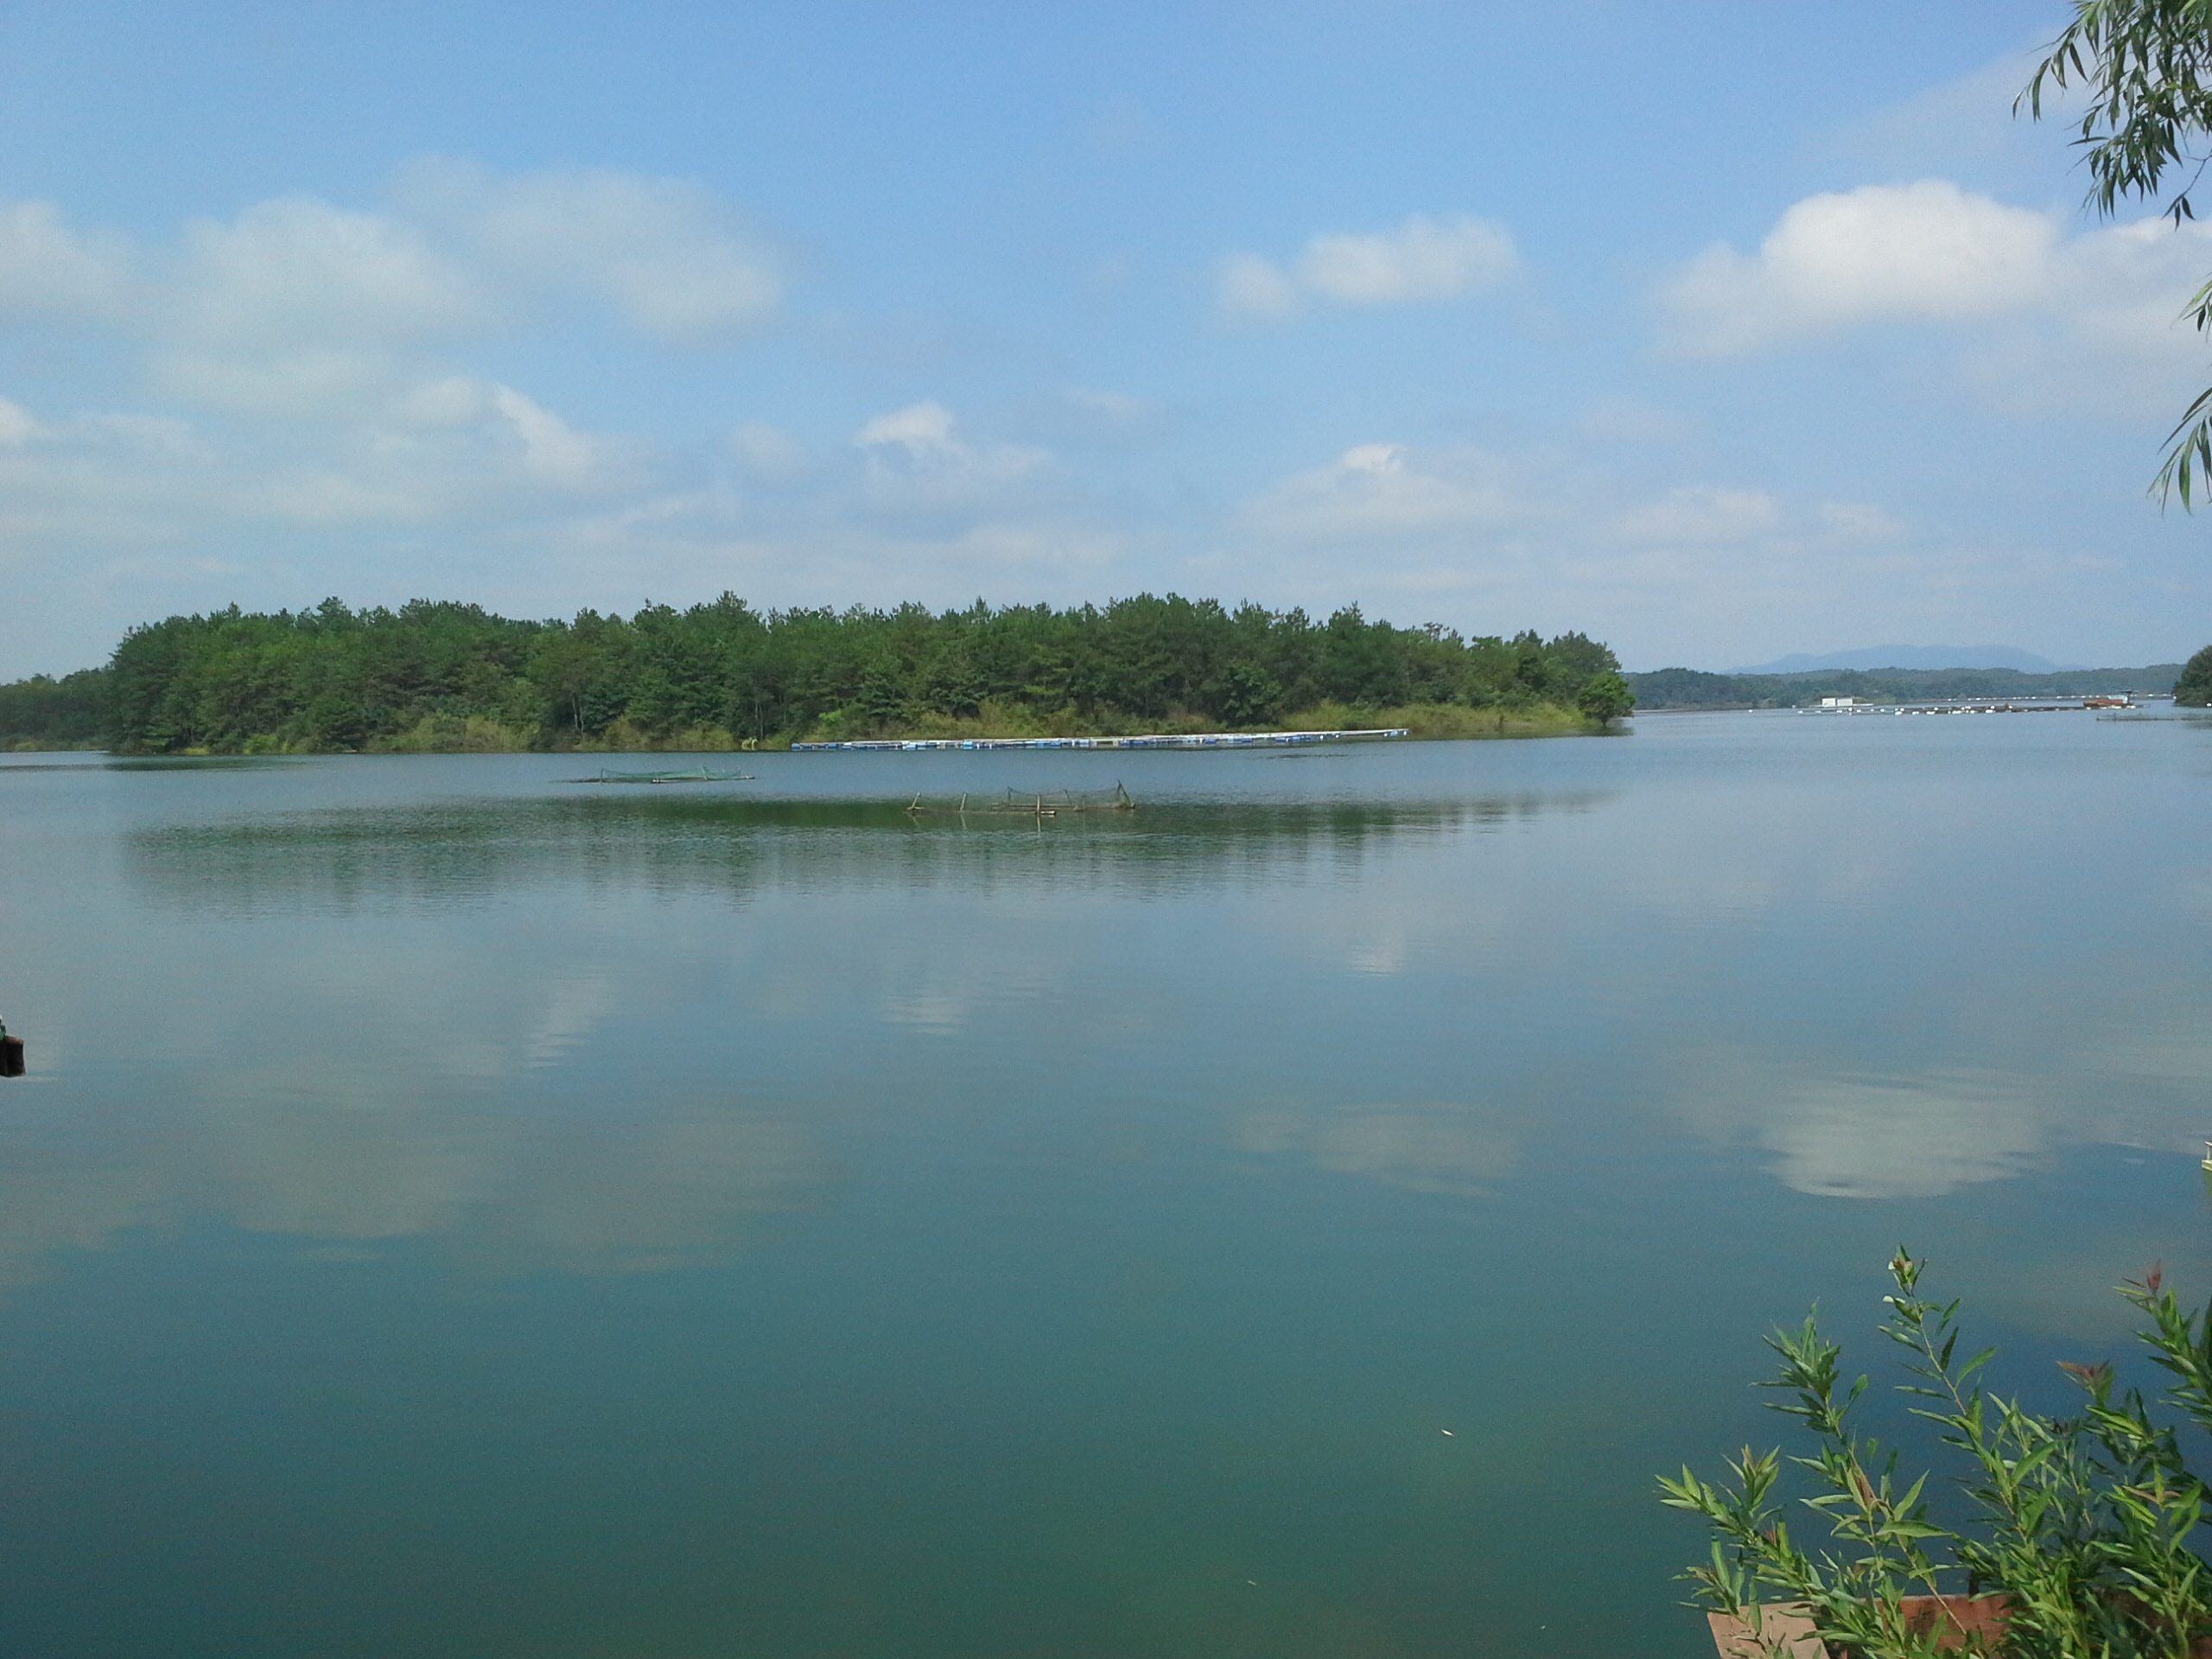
454 1211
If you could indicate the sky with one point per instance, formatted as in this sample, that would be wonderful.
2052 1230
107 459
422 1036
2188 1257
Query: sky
1715 331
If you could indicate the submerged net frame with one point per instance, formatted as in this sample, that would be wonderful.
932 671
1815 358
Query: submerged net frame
1028 803
685 775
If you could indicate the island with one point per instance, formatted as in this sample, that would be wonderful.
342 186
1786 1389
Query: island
440 675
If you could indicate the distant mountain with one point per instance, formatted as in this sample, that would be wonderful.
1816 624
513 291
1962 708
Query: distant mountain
1912 657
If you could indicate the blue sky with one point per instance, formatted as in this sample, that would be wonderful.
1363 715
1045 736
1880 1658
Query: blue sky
1715 331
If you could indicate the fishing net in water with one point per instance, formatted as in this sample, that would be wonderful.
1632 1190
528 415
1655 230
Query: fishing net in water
1027 803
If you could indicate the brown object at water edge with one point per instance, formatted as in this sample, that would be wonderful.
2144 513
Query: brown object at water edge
1777 1629
11 1056
1784 1630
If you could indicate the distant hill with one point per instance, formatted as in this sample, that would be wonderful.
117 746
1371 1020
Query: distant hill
1690 688
1921 656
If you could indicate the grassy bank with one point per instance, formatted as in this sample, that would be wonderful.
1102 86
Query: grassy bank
474 734
1456 720
446 735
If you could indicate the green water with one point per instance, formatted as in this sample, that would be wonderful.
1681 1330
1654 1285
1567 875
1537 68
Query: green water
456 1212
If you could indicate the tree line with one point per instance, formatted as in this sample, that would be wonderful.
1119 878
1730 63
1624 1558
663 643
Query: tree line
1690 687
437 674
44 713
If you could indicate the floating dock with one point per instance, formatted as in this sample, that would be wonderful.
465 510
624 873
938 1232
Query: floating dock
1970 706
1150 741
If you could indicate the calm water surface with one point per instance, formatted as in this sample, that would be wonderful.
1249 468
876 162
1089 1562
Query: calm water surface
457 1213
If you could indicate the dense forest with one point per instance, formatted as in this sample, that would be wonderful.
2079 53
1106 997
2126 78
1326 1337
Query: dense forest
1690 688
434 675
71 713
2194 689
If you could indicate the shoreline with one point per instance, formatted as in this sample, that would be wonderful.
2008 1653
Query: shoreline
474 734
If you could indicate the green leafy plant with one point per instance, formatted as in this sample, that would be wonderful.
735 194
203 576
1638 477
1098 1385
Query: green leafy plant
2082 1524
2144 70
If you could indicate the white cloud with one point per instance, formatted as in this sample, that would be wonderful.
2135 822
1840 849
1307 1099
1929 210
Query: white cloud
1697 571
1089 418
920 429
1629 420
17 426
437 483
310 381
1114 411
551 449
919 469
463 453
1860 521
917 506
309 361
296 307
2121 291
766 451
1247 286
1703 513
1422 260
672 258
1928 251
2040 319
46 269
452 400
308 405
1964 127
1386 492
300 270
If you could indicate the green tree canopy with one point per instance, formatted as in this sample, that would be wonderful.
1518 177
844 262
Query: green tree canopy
434 674
2144 67
2194 689
1605 696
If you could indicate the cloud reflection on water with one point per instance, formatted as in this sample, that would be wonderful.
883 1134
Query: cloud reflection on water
1876 1136
518 942
451 1022
1457 1149
428 1083
1837 1132
679 1186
